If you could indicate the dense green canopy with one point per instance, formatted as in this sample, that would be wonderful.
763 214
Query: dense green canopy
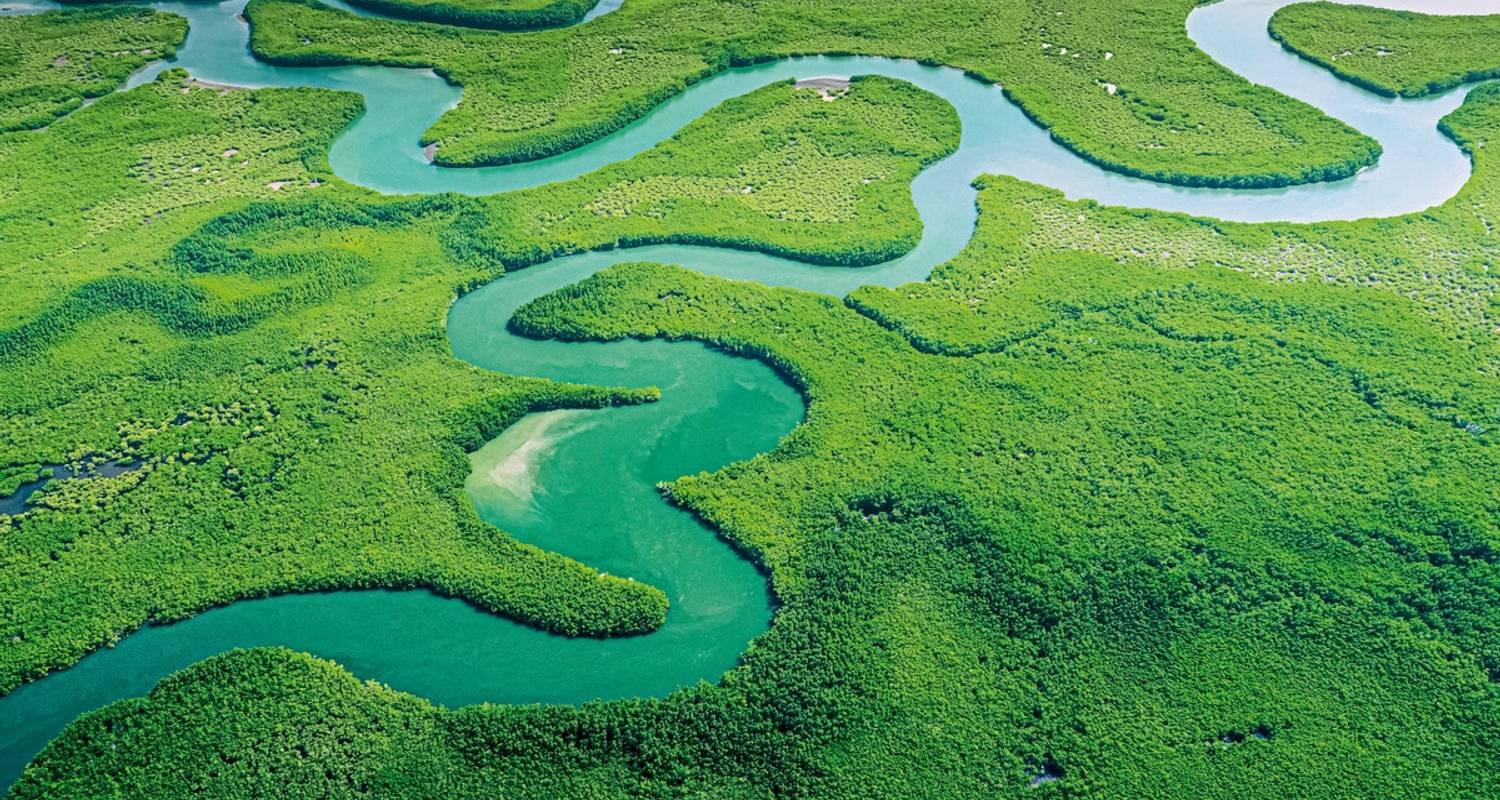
51 63
1392 52
501 14
1117 504
1175 114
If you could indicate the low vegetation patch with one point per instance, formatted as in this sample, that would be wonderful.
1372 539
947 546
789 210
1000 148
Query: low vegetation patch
53 62
510 15
1117 504
1392 52
275 353
1210 523
1175 114
778 170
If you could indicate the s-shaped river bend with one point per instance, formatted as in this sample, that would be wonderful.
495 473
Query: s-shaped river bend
583 482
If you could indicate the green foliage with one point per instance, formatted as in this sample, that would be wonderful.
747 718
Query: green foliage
778 170
268 363
119 182
1391 52
500 14
1176 115
244 426
1148 423
51 63
1443 259
1202 532
1164 505
12 477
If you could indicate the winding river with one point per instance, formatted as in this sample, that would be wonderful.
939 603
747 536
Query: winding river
583 482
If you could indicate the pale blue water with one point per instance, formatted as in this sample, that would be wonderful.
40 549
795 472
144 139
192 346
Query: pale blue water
1420 167
594 496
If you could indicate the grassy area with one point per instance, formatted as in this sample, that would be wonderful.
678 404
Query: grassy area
779 170
499 14
51 63
1174 114
269 362
1189 576
1442 259
114 186
1392 52
1156 505
1144 504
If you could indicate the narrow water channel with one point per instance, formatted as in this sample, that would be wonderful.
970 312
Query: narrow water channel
583 482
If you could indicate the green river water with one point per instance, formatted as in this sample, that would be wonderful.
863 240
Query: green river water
583 482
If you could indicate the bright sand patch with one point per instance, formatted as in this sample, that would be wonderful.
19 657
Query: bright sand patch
506 468
830 87
222 88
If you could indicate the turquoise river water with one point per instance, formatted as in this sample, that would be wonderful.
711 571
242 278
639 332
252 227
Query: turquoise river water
583 482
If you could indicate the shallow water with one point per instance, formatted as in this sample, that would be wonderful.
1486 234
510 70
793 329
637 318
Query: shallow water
18 501
583 482
1420 167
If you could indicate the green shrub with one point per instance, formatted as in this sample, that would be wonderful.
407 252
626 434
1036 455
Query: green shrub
1176 115
56 60
510 15
1391 52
